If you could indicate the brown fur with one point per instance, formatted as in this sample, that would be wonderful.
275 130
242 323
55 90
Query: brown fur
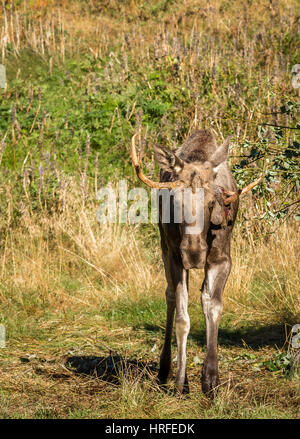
198 147
209 249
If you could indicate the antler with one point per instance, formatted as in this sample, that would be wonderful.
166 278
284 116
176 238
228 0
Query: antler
231 197
143 178
228 196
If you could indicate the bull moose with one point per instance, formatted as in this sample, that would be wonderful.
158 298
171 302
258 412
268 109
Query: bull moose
198 163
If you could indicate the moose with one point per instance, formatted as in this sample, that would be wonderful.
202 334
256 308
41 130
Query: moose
199 163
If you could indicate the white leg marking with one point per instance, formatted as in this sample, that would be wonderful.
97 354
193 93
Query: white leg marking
182 327
211 276
215 311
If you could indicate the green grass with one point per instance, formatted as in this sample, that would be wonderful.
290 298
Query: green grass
92 105
137 314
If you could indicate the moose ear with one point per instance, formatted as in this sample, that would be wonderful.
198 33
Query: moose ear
167 160
221 153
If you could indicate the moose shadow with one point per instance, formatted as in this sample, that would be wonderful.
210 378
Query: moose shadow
273 335
111 368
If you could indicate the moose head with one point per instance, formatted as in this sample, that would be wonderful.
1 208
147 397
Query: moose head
194 175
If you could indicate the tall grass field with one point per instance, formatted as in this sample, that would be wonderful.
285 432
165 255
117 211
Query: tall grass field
81 78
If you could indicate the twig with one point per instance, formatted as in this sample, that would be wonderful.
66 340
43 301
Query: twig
286 207
278 126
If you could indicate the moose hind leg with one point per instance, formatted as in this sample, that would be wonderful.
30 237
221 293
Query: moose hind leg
165 358
182 328
212 289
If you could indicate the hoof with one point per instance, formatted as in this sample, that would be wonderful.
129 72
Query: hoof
210 382
165 372
162 381
182 389
163 378
210 386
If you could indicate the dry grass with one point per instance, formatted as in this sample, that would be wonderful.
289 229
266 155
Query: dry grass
109 261
43 388
60 275
265 277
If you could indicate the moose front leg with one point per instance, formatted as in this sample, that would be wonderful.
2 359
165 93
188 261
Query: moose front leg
176 296
182 328
165 358
216 275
